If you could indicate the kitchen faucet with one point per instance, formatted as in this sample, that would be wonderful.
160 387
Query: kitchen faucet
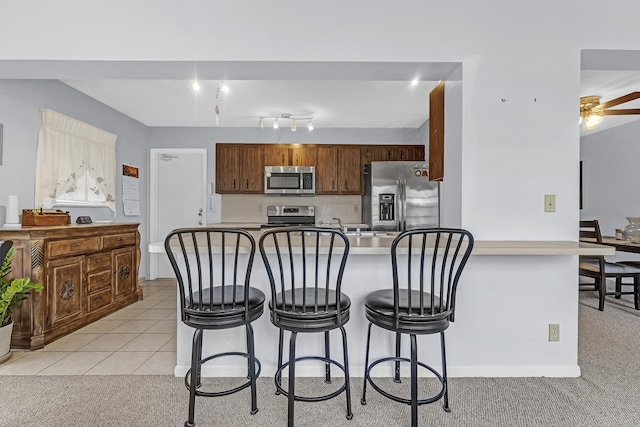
343 228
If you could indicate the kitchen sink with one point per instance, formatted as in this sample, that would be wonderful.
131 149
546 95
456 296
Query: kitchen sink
371 233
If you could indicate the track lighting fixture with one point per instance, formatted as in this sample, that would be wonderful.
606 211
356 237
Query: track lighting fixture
223 87
195 84
286 116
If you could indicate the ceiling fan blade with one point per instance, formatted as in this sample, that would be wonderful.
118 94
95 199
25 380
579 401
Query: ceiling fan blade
621 100
621 112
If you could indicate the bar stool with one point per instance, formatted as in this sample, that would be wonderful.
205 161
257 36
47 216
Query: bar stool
213 269
426 266
305 267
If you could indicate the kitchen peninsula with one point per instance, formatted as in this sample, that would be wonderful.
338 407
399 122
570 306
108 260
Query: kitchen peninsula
501 326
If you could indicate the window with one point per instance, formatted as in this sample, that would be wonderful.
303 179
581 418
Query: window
76 163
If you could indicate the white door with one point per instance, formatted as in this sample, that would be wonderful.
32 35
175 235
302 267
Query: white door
178 197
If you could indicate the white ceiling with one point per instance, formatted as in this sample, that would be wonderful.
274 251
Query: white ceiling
332 103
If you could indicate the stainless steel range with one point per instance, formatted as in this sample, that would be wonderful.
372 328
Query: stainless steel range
287 215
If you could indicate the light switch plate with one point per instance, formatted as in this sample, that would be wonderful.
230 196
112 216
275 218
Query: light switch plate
549 202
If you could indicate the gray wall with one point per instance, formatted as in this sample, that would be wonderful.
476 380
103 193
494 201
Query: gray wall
611 177
20 104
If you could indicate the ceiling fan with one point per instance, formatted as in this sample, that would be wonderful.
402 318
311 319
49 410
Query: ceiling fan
591 110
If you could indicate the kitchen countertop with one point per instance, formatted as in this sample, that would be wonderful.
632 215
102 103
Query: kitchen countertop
380 245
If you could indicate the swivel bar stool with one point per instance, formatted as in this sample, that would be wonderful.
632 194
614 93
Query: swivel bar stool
305 267
426 266
213 268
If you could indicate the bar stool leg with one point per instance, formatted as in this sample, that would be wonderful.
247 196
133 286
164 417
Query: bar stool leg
636 292
252 369
327 354
193 376
414 381
363 400
292 377
346 373
396 377
602 287
444 374
280 344
618 287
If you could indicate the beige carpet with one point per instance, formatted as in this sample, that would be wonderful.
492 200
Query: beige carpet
606 395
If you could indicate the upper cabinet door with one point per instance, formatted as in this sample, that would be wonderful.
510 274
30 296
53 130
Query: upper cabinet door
349 170
239 168
327 171
276 155
303 156
436 133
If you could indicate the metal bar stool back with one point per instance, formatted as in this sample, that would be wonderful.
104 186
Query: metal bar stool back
305 266
213 269
426 267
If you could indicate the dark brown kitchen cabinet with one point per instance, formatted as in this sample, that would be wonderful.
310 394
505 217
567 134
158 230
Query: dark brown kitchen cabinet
239 168
303 156
88 272
389 153
436 133
338 170
276 155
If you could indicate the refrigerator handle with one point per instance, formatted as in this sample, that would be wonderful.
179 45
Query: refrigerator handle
398 203
404 204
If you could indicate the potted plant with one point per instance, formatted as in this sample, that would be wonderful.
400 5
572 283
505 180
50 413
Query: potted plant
12 293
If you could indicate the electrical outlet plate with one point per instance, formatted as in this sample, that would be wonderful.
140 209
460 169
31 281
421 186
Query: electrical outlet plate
549 202
554 332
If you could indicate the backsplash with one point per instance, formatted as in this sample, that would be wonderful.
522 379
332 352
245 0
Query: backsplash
253 208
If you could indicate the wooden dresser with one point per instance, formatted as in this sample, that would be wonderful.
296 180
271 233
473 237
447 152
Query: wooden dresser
88 271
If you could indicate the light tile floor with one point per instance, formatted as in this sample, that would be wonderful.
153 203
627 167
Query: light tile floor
139 339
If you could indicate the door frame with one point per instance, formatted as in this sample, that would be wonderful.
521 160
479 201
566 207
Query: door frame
153 199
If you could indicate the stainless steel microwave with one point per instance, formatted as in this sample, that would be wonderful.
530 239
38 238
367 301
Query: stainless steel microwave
291 180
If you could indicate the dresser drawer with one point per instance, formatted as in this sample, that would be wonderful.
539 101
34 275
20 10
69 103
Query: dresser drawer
99 280
100 261
72 246
117 240
99 300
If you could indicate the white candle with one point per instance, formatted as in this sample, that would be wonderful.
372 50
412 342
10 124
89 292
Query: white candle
12 210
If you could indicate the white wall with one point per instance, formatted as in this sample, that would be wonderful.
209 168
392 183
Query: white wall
521 71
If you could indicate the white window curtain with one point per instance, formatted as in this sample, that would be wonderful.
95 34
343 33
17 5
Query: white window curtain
76 163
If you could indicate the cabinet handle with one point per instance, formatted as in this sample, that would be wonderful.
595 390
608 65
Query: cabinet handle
100 260
234 183
247 184
75 245
119 239
99 299
100 279
333 184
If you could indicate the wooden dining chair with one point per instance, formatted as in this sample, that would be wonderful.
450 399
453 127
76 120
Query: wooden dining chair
597 268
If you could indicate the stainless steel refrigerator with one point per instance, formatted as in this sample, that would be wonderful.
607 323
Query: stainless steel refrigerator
398 196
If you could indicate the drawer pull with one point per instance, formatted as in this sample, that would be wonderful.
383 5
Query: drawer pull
119 239
100 279
100 260
75 245
99 299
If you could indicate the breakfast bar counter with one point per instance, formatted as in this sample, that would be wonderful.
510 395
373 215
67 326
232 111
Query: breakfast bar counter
504 305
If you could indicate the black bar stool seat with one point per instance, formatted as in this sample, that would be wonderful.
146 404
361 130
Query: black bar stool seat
305 266
213 269
426 266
